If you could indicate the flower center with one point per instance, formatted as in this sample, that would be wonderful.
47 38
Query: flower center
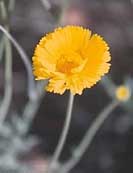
66 63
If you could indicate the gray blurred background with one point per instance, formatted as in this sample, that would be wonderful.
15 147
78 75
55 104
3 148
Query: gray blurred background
112 148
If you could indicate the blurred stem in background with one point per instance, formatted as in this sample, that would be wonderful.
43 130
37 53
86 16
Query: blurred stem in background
35 92
31 108
1 47
5 45
25 59
4 17
46 4
88 138
55 160
57 17
5 104
11 5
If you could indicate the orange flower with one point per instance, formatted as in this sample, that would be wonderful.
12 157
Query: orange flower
71 58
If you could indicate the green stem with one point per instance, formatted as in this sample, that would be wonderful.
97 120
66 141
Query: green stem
88 138
31 108
3 10
8 72
25 59
11 5
46 4
8 82
54 162
1 47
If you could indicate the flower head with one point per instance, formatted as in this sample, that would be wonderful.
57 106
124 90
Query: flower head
71 58
123 93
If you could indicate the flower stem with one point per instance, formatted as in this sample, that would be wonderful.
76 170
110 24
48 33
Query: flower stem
88 138
46 4
6 101
11 5
1 48
62 139
25 59
31 109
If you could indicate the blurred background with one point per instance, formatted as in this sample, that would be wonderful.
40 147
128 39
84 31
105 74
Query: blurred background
112 149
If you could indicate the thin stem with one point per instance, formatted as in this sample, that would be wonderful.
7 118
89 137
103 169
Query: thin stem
46 4
88 138
25 59
11 5
8 82
3 14
1 48
62 139
8 71
31 108
3 10
65 4
107 83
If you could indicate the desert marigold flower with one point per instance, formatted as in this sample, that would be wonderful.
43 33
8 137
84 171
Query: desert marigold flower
71 58
123 93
